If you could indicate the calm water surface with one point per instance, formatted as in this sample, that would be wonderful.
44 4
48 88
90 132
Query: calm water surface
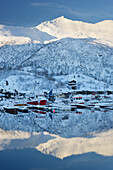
31 159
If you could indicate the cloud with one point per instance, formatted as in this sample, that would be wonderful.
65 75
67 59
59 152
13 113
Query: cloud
48 4
53 5
77 12
71 10
43 4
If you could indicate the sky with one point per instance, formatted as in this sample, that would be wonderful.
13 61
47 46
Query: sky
33 12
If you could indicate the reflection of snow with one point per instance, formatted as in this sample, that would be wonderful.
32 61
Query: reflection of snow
76 125
57 146
62 147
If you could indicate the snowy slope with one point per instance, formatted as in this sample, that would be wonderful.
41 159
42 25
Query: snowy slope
22 35
63 27
63 57
57 29
69 56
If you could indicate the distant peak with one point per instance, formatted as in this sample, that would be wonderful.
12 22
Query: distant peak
62 17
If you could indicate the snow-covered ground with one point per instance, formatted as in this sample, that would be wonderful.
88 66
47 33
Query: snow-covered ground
27 82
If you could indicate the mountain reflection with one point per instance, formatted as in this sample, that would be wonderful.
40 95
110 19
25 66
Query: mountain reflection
100 143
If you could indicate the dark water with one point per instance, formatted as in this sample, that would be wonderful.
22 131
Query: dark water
31 159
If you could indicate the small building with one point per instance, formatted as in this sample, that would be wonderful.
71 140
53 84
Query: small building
72 84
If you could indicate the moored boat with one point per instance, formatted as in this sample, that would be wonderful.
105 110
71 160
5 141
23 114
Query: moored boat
38 102
11 110
22 109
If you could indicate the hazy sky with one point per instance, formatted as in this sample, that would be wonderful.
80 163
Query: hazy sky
33 12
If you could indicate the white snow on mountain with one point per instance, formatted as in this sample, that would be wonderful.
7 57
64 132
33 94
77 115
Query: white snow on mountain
63 28
57 29
86 60
22 35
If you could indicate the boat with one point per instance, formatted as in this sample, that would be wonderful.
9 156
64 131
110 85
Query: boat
22 109
80 105
33 102
38 101
20 104
105 104
11 110
39 111
77 112
62 107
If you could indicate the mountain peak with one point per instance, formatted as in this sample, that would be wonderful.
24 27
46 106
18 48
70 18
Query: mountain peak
62 27
61 19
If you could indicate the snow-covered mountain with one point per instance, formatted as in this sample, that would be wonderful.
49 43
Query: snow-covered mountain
63 57
57 29
22 35
86 56
63 28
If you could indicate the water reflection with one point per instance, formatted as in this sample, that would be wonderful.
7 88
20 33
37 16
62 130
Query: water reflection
72 136
30 159
67 124
57 146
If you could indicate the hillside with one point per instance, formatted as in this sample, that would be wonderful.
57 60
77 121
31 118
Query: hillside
86 56
22 35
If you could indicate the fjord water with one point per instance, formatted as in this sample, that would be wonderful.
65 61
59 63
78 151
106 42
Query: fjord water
31 159
20 154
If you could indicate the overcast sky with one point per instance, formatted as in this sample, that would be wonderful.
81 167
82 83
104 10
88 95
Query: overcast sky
33 12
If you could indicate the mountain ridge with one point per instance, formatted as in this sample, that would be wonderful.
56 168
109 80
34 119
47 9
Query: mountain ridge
22 35
62 27
58 28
